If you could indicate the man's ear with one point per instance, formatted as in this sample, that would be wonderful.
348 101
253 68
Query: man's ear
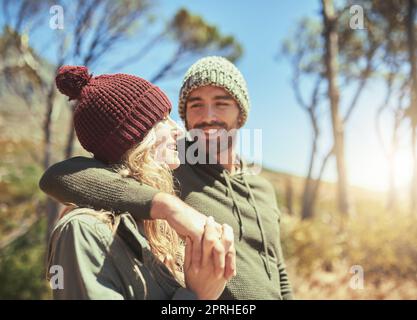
240 121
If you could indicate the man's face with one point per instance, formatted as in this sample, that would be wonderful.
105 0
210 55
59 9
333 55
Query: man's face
210 108
214 111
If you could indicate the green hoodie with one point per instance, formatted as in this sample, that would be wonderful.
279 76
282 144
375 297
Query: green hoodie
99 263
244 201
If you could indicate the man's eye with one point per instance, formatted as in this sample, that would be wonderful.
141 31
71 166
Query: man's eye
196 106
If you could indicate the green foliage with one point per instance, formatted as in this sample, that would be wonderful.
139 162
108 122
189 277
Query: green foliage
19 192
22 183
22 274
195 34
22 262
305 47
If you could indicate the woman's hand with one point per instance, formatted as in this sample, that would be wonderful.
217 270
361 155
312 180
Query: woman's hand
185 220
218 262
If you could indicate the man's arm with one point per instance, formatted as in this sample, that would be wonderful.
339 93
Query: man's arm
88 182
285 285
286 290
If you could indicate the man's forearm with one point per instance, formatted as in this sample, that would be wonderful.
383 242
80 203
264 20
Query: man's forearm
88 182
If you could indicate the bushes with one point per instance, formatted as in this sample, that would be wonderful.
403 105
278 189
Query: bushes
311 244
22 274
382 243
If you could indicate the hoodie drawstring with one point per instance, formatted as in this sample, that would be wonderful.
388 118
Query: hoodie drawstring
239 215
259 219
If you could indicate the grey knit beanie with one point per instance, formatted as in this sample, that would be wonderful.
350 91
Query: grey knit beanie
219 72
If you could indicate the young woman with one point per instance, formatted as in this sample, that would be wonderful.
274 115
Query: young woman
124 120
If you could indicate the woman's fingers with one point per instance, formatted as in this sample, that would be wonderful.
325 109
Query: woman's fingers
219 260
230 269
196 253
230 253
211 235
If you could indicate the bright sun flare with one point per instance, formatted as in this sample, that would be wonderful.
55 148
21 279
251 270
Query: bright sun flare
373 172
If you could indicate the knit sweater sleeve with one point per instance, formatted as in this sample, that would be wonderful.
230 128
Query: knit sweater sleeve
286 289
88 182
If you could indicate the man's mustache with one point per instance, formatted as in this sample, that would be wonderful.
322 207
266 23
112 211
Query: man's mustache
211 124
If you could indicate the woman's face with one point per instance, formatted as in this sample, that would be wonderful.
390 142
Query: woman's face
167 132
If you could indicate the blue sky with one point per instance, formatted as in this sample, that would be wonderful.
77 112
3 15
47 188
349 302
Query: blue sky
261 26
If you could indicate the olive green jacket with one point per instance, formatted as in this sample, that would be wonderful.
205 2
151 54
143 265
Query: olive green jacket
100 263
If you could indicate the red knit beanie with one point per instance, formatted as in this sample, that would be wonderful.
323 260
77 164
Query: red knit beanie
114 112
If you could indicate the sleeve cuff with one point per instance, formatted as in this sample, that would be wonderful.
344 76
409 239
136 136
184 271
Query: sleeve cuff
288 296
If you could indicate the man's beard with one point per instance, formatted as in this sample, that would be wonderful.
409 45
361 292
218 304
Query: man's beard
217 143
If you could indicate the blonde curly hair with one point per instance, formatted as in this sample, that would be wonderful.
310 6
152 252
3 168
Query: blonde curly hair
141 163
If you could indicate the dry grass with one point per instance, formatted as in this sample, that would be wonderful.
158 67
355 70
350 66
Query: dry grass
339 285
320 252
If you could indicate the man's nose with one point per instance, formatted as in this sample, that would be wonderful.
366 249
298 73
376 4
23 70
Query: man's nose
209 114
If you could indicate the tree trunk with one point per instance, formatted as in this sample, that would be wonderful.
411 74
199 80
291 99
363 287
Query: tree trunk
307 210
392 190
289 196
47 128
308 201
414 178
413 106
331 38
51 205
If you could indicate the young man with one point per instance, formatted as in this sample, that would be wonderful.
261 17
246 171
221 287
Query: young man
214 100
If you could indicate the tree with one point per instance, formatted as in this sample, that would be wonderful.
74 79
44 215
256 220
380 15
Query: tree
304 55
330 35
305 50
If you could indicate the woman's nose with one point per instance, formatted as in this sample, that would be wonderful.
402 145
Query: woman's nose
176 131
